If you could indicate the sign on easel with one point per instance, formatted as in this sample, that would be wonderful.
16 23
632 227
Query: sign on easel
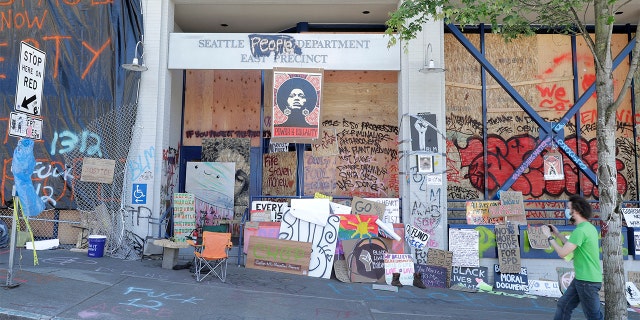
30 80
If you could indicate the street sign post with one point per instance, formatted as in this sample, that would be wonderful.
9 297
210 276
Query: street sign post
30 80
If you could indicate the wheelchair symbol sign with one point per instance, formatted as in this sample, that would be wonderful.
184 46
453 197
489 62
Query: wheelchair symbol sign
139 193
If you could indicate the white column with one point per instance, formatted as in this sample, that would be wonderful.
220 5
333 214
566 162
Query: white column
424 204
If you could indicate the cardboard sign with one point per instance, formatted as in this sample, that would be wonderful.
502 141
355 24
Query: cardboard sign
632 217
279 255
415 237
432 276
511 282
398 263
537 239
97 170
508 248
478 211
391 209
364 206
467 276
441 258
260 216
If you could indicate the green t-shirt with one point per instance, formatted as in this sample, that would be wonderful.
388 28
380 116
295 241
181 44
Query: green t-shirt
586 260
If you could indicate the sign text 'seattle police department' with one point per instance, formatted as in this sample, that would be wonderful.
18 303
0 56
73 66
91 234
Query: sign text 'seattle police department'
266 51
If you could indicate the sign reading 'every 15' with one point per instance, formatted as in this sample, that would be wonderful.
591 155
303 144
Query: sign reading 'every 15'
30 80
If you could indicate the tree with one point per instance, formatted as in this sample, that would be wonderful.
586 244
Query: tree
514 18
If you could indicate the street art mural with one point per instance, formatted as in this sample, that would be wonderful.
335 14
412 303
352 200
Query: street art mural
540 70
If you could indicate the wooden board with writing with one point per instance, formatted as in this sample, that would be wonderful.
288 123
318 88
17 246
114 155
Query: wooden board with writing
279 255
441 258
279 174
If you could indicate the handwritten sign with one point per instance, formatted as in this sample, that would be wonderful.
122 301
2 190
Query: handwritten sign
478 211
511 282
468 276
415 237
279 255
632 217
391 209
97 170
364 206
276 209
432 276
464 243
544 288
508 248
260 216
398 263
279 173
537 239
441 258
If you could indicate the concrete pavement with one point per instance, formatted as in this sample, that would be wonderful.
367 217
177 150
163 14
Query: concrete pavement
70 285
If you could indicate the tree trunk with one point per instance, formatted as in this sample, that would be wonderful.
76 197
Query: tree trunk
615 300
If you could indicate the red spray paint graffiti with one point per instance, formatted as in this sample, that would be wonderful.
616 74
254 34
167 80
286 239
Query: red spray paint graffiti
504 156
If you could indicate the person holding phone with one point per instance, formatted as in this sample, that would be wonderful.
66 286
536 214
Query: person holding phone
583 243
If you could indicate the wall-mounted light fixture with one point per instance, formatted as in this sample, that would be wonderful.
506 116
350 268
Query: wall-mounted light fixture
429 63
137 64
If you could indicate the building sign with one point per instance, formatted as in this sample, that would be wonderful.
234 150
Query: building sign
267 51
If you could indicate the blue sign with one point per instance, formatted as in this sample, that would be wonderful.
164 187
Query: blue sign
139 193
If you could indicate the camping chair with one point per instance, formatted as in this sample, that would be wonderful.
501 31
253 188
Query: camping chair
212 258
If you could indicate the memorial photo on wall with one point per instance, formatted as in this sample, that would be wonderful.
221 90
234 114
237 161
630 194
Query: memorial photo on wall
425 163
296 104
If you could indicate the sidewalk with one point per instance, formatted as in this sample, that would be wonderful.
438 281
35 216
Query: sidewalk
70 285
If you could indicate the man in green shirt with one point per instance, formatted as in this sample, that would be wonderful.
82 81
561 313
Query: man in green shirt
583 243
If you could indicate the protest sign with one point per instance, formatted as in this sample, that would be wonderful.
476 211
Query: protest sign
632 217
441 258
537 239
545 288
511 282
467 276
415 237
464 243
508 248
364 206
432 276
398 263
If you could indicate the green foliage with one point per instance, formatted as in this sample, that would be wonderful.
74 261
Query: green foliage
509 18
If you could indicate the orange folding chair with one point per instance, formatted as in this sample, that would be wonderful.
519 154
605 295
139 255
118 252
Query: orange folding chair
212 258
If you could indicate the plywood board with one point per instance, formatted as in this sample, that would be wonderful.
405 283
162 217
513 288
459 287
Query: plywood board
279 255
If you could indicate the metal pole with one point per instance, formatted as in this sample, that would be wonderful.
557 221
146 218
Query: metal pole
12 244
